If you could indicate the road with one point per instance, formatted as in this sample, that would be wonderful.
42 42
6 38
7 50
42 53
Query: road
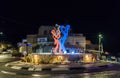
104 74
111 72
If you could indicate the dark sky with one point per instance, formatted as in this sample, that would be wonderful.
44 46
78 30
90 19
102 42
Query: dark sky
19 18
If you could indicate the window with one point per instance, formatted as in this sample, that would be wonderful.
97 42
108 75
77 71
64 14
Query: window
77 43
45 32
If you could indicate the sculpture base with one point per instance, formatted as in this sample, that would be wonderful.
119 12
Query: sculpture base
56 58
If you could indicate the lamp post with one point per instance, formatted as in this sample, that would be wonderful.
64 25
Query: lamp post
1 33
100 44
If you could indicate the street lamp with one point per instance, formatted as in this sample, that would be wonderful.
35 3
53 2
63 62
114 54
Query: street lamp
100 44
1 33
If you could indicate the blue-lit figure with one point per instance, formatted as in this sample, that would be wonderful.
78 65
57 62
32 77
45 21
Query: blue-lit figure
62 39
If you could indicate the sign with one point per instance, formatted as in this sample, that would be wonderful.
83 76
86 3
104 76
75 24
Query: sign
24 40
42 40
29 44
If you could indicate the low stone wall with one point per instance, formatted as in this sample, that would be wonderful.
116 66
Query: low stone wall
59 58
52 58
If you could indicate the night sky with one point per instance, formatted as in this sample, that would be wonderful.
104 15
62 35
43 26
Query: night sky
19 18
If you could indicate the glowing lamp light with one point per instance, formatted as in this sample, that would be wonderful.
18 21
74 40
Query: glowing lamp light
73 52
88 58
65 52
36 59
1 33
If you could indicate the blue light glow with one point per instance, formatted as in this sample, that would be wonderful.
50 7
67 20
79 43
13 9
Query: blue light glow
64 31
73 52
57 53
65 52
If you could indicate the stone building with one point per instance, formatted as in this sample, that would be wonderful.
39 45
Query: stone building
44 37
32 39
77 40
45 32
31 43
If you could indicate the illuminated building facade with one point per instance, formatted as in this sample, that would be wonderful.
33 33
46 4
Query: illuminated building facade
32 39
45 32
77 41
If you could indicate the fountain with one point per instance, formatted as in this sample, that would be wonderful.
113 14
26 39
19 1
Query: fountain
59 54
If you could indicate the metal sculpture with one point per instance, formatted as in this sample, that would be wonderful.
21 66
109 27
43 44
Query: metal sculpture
62 39
60 35
56 35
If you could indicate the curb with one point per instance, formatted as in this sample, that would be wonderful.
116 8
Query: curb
56 68
6 72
